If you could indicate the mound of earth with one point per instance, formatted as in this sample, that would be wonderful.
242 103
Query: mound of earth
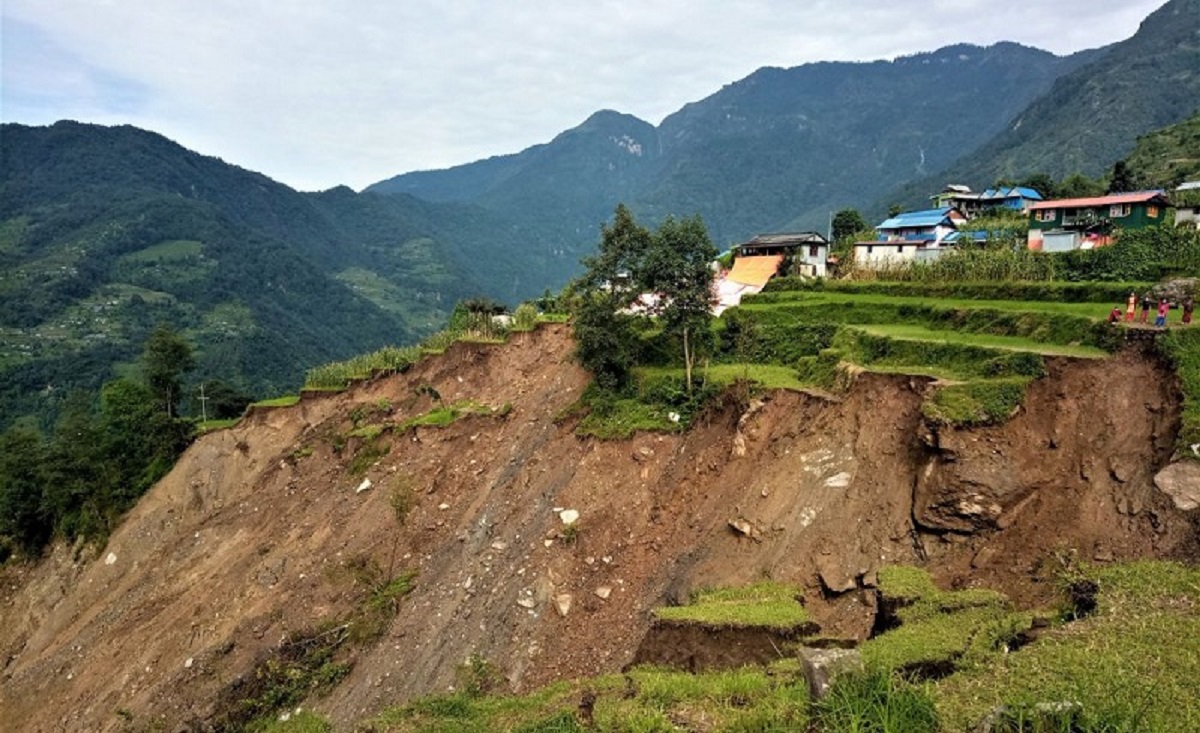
255 534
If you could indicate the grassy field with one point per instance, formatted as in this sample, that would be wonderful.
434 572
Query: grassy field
1009 343
1096 311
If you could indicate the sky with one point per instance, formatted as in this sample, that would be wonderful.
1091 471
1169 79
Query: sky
317 93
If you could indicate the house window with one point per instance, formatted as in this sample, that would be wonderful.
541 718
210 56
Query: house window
812 250
1152 212
1045 215
1118 210
870 249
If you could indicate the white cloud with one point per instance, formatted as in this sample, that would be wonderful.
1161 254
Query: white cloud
316 93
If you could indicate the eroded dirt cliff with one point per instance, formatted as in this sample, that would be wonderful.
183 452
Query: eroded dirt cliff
248 539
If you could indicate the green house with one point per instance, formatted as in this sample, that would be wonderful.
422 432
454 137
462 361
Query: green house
1066 224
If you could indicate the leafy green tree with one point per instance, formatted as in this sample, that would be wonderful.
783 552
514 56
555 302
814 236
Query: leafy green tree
222 401
22 463
673 263
604 329
1042 183
1077 186
677 267
79 473
1123 179
165 359
846 223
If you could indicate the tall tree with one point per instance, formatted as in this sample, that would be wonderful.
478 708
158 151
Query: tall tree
677 267
602 324
165 359
847 222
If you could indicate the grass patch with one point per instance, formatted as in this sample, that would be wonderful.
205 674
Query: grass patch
304 721
1182 347
445 415
876 701
768 605
284 401
1130 666
1009 343
208 426
933 629
366 456
646 700
984 402
338 375
766 376
1028 291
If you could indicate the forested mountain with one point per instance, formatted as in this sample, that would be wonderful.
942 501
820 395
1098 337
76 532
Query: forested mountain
780 148
1092 116
106 232
1166 158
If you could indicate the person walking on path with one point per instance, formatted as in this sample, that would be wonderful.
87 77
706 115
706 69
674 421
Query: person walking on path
1189 305
1130 306
1163 307
1146 302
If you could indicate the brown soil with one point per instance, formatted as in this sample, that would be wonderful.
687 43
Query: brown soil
697 648
250 536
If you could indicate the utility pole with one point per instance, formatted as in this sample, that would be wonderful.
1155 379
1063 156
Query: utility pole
203 404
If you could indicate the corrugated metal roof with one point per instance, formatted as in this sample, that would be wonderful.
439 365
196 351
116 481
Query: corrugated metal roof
785 239
1136 197
927 218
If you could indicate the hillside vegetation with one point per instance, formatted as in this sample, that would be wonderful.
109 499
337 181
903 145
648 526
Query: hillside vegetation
1092 116
107 232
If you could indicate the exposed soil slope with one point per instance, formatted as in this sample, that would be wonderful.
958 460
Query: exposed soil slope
249 536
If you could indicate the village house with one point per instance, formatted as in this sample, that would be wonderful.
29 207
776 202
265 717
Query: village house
1012 198
1086 223
914 236
808 250
757 261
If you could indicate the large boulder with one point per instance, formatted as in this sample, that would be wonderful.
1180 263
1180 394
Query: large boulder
823 666
1181 482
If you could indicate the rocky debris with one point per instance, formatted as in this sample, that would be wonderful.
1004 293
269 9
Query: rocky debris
364 486
562 604
603 592
834 575
838 481
744 528
1181 482
822 666
111 558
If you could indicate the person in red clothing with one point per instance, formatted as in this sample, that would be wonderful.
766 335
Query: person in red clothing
1115 315
1130 306
1189 305
1146 303
1163 308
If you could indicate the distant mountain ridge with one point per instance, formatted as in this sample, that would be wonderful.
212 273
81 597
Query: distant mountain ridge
780 148
1092 116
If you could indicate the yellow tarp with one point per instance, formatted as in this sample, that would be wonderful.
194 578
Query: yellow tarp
754 270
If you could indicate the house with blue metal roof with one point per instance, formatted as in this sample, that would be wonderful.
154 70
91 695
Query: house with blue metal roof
972 204
911 236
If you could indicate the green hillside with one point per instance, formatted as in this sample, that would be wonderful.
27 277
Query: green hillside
1168 157
1092 117
106 232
